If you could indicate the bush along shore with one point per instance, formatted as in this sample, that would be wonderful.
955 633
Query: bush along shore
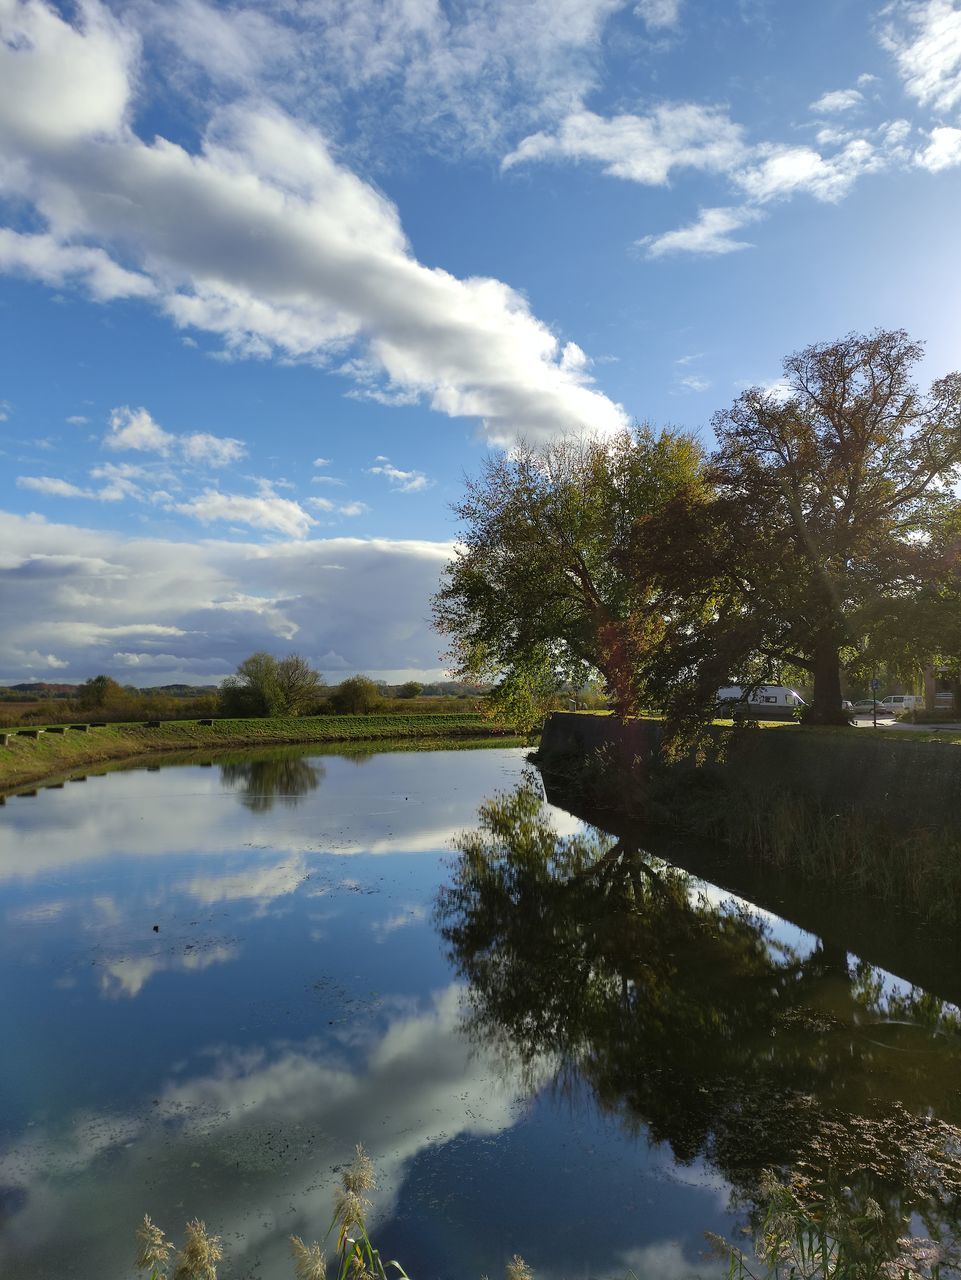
873 814
44 752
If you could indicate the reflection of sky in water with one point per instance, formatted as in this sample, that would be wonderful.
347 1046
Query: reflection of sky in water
294 1000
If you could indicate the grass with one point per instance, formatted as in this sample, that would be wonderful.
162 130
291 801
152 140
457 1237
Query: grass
24 761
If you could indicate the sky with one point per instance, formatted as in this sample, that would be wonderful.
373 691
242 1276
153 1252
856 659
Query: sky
275 276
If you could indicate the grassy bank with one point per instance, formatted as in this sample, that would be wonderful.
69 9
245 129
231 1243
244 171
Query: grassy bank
28 760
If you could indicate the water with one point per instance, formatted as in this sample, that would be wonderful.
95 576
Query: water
218 977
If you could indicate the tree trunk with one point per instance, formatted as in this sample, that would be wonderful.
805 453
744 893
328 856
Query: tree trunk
827 685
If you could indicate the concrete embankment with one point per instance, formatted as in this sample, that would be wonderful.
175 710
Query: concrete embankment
876 813
57 750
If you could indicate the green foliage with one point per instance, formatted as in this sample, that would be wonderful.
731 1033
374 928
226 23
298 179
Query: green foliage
98 691
356 696
411 689
832 514
264 686
537 591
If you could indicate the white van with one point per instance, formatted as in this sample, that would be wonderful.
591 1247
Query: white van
901 702
767 701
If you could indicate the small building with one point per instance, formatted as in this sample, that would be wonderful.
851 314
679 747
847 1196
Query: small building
942 688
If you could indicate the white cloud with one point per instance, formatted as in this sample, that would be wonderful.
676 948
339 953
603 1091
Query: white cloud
215 451
710 234
442 73
82 595
77 420
54 487
783 171
405 481
326 480
136 429
351 509
6 409
659 13
263 238
54 262
266 511
644 149
925 38
943 151
695 383
838 100
321 462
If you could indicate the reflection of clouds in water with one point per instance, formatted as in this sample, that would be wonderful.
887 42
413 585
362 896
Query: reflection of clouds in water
261 882
128 975
182 809
665 1260
251 1144
407 915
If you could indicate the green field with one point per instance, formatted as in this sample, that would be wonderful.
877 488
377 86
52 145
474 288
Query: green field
27 760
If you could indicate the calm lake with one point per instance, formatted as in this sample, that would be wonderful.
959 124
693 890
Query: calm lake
218 977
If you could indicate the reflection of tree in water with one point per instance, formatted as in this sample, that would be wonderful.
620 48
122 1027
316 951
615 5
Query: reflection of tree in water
684 1017
261 782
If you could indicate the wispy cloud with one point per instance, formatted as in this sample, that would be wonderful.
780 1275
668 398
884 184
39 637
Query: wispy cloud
405 481
658 14
837 100
710 233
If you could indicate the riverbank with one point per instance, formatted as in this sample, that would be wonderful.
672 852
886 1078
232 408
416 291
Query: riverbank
27 760
869 812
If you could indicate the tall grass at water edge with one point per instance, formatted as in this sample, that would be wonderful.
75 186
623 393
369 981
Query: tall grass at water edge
354 1254
798 1235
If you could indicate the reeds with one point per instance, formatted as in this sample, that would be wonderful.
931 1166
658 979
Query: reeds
355 1256
802 1234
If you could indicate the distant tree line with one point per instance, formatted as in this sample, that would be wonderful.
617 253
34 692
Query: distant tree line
822 533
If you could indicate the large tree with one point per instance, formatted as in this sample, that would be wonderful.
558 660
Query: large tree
537 593
264 686
832 509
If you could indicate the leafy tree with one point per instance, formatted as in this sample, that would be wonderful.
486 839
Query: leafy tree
356 696
297 685
100 691
410 689
536 593
265 687
832 509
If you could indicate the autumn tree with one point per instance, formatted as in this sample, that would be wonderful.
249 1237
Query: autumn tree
536 593
831 512
264 686
100 691
356 696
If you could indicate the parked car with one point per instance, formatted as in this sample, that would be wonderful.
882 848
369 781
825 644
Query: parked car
767 702
896 702
865 707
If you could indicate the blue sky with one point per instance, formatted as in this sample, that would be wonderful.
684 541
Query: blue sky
274 276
